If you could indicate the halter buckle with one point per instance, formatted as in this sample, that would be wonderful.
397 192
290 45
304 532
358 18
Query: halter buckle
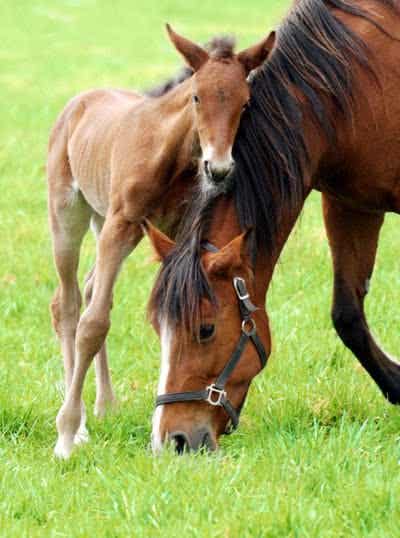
212 389
240 288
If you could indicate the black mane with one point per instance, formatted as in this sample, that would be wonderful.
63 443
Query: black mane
218 47
314 53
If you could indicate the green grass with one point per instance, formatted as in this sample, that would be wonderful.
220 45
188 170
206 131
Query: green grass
318 451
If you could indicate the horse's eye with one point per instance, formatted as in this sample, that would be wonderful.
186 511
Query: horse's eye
196 99
206 332
246 106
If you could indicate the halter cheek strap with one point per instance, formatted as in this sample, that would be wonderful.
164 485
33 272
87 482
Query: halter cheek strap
215 394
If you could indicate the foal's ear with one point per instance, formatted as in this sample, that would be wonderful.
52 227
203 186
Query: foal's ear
233 256
194 55
254 56
161 244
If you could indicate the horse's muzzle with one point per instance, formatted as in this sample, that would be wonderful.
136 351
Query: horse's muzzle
200 439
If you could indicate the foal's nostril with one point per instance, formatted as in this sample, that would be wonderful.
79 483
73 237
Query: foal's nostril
219 175
180 442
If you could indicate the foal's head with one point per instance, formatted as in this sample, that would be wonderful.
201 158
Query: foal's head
194 355
220 93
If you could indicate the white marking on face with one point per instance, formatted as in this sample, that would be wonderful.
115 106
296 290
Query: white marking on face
166 337
216 161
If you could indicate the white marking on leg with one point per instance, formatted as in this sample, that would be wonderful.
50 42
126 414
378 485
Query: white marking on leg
75 185
82 435
63 447
166 336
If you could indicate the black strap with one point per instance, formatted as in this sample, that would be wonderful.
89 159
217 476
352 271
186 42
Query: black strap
260 349
231 364
176 397
245 304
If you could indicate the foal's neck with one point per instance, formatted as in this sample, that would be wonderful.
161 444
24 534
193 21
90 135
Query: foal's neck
176 112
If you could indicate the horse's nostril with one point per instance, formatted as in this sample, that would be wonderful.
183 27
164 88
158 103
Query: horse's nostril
203 440
180 442
207 442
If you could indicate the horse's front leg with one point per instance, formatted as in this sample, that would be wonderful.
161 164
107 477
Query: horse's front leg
117 240
353 238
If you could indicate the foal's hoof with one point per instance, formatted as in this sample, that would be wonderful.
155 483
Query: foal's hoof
63 448
81 436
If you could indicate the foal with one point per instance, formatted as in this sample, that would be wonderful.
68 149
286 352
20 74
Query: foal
116 157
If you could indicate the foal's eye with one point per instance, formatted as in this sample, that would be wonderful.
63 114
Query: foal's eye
196 99
206 332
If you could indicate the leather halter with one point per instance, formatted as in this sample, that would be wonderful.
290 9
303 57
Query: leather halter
215 394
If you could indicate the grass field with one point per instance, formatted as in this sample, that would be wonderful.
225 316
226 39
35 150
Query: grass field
318 451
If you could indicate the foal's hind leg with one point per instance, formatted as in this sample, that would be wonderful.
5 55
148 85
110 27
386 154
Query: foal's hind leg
105 398
353 238
118 238
69 220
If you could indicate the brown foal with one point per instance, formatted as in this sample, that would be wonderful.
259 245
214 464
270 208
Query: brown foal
325 115
116 157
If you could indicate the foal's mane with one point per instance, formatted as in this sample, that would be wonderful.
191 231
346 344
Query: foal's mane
314 53
218 47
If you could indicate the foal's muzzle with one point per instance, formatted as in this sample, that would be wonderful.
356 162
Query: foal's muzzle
218 173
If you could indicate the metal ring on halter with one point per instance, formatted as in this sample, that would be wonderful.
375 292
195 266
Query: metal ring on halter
253 327
220 393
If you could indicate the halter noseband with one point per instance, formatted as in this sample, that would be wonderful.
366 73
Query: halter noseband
215 394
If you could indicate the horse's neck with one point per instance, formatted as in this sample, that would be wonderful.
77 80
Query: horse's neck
224 227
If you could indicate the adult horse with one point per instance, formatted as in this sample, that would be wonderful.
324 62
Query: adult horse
324 115
116 157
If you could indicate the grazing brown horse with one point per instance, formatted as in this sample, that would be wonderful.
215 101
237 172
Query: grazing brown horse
324 114
116 157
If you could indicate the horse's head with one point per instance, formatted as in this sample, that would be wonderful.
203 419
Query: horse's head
220 93
207 366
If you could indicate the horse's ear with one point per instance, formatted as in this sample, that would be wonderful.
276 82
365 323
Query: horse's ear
194 55
161 244
233 256
254 56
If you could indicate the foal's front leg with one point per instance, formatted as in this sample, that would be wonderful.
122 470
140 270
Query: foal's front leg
117 240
